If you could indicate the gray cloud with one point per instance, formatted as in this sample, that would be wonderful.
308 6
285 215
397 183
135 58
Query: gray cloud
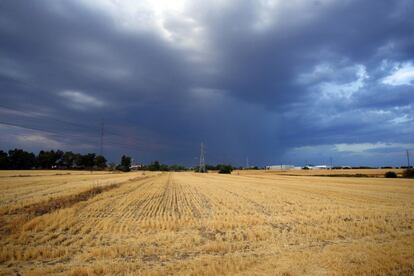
260 79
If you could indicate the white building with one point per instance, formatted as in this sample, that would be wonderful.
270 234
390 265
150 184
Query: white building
318 167
280 167
136 166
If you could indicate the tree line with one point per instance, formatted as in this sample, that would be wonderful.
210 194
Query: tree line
19 159
157 166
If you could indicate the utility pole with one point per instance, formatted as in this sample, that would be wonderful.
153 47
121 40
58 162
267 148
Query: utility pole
247 162
330 159
202 165
102 139
408 159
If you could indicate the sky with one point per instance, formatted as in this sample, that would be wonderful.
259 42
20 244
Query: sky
277 82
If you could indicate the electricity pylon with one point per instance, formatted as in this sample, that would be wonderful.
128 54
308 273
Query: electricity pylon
202 165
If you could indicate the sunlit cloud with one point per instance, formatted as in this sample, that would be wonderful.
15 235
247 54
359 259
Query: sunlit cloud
363 147
402 75
81 100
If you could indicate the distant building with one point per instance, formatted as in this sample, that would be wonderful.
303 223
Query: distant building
318 167
321 167
135 167
292 167
280 167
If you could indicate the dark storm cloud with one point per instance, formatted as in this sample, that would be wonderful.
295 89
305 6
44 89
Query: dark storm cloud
266 80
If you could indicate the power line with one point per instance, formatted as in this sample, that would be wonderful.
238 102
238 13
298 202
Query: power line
54 118
107 132
66 135
134 141
89 127
25 127
131 142
133 145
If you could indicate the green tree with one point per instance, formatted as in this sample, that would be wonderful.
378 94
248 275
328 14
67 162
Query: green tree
77 161
49 159
68 160
154 166
390 174
21 160
88 160
100 162
409 173
225 169
4 160
59 157
177 168
125 164
46 159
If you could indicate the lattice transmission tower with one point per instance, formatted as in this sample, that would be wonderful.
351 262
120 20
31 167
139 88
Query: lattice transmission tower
202 165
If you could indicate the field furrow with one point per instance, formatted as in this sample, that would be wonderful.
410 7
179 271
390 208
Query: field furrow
209 224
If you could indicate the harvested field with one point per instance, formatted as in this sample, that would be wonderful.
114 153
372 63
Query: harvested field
22 188
333 173
207 224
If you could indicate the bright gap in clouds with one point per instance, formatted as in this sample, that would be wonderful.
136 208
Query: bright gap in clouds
137 14
363 147
80 100
403 75
168 5
171 20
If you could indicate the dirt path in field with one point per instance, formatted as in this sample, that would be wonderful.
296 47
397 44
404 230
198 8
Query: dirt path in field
12 220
